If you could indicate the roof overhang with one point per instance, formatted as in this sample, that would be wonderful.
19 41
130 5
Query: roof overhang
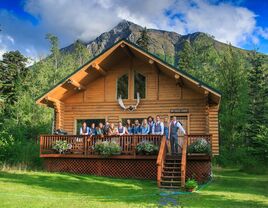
96 67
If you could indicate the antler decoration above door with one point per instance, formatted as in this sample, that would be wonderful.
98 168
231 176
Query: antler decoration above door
130 107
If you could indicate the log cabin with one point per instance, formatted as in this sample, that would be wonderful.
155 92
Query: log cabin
126 82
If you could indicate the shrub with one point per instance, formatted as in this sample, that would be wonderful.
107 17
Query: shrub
61 146
200 146
146 147
107 148
191 184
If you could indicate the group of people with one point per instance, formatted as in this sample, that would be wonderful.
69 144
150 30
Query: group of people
148 126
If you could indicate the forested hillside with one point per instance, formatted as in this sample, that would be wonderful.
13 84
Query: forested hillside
241 76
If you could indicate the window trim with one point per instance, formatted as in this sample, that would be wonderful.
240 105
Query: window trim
86 118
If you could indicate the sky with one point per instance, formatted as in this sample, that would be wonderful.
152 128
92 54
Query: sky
24 23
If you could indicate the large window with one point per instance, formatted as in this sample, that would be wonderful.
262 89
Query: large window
139 85
122 87
124 120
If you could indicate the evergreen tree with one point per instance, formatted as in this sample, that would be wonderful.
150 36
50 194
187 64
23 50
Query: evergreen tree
81 53
12 69
200 58
232 84
144 39
185 57
257 120
55 53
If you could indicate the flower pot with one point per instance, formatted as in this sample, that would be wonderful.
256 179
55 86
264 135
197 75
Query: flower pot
190 189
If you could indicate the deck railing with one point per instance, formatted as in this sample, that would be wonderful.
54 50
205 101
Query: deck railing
84 145
194 137
161 159
184 160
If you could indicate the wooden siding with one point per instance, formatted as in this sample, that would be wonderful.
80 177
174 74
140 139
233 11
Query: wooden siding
58 115
214 128
99 100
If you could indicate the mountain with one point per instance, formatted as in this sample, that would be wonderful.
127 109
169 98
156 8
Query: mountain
165 44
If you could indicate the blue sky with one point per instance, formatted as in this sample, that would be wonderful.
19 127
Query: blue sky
24 23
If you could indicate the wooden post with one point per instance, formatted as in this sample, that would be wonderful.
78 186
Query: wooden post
85 145
184 160
135 145
41 144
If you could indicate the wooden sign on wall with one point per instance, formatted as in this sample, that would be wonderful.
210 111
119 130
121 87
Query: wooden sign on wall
179 111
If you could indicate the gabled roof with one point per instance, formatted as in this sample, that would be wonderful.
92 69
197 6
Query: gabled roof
130 46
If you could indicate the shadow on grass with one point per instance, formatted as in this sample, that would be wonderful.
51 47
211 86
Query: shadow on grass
215 201
239 182
94 187
228 189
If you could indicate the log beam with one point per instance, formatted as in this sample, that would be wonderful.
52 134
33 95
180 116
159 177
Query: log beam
127 50
155 66
157 69
179 80
76 84
99 69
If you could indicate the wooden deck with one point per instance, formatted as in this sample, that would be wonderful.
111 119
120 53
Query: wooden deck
83 146
82 159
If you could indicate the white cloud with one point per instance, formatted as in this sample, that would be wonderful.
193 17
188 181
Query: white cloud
83 19
10 39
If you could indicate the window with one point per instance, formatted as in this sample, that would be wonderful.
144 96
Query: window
89 122
122 87
139 85
124 120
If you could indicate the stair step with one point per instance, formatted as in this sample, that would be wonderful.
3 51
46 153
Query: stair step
172 168
167 163
169 187
170 182
173 159
172 177
173 156
177 172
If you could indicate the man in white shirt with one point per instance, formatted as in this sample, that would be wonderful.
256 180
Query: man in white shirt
158 127
173 134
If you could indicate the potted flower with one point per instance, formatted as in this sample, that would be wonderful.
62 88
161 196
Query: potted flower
107 148
61 146
146 148
200 146
191 185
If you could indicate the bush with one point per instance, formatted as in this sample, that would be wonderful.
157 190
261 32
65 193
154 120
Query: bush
200 146
146 147
15 153
107 148
61 146
191 184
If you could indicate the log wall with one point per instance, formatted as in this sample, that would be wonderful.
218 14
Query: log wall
162 95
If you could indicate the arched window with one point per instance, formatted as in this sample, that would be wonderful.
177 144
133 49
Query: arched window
122 87
139 85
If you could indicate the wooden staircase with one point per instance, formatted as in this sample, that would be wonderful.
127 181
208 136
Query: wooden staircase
171 170
171 173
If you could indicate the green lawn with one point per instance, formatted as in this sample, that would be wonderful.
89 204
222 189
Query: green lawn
229 188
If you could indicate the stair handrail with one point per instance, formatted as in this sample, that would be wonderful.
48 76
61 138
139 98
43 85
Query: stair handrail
184 160
161 159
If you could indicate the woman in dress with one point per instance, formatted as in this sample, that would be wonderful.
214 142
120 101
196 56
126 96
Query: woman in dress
150 121
112 130
145 128
137 127
129 127
121 130
100 130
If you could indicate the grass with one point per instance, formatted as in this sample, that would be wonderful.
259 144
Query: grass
229 188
